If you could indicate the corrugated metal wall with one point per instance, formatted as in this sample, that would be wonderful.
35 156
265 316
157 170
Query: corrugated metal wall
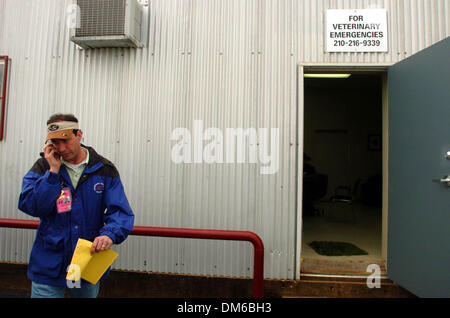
228 63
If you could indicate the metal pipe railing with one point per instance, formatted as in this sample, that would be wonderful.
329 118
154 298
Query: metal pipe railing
258 247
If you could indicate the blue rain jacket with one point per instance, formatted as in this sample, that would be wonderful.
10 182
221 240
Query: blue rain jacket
99 207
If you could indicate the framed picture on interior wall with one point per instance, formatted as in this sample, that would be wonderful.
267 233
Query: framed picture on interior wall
374 142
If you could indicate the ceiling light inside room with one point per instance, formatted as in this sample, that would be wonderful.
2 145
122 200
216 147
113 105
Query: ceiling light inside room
326 75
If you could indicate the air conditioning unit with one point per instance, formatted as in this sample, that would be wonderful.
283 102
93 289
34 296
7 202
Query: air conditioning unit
108 23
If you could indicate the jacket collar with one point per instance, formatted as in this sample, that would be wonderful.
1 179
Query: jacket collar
95 160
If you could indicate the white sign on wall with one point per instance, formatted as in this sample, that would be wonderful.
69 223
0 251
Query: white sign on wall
362 30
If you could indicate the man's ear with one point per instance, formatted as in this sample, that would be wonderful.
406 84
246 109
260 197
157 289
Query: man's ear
79 134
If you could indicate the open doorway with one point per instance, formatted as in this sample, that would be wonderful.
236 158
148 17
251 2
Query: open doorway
342 177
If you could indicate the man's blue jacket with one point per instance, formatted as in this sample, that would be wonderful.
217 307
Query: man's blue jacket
99 207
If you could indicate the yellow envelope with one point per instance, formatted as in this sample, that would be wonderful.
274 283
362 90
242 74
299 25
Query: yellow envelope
87 266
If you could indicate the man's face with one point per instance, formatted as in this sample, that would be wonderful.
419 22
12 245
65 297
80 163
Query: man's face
69 148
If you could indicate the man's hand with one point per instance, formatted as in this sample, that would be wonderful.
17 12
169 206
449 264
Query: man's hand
53 158
101 243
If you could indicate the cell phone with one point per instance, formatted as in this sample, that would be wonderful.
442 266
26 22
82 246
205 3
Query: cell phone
56 154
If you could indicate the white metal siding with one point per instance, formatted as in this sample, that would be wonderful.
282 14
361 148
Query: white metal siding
229 63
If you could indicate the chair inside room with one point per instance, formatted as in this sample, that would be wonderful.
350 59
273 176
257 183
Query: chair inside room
344 201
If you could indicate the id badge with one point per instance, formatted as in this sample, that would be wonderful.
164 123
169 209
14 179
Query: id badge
64 201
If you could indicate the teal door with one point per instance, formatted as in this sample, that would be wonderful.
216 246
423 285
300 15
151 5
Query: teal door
419 163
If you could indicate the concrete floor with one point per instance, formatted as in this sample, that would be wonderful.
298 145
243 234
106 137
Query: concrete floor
359 225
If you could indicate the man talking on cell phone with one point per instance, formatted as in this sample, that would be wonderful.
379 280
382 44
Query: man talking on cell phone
98 210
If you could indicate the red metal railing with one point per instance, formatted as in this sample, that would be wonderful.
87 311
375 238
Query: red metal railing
258 247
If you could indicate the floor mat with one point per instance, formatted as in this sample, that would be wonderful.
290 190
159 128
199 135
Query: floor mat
336 248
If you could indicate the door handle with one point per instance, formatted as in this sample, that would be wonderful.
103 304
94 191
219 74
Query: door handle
445 179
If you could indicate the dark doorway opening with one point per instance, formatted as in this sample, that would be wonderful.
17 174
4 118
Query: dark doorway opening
342 178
